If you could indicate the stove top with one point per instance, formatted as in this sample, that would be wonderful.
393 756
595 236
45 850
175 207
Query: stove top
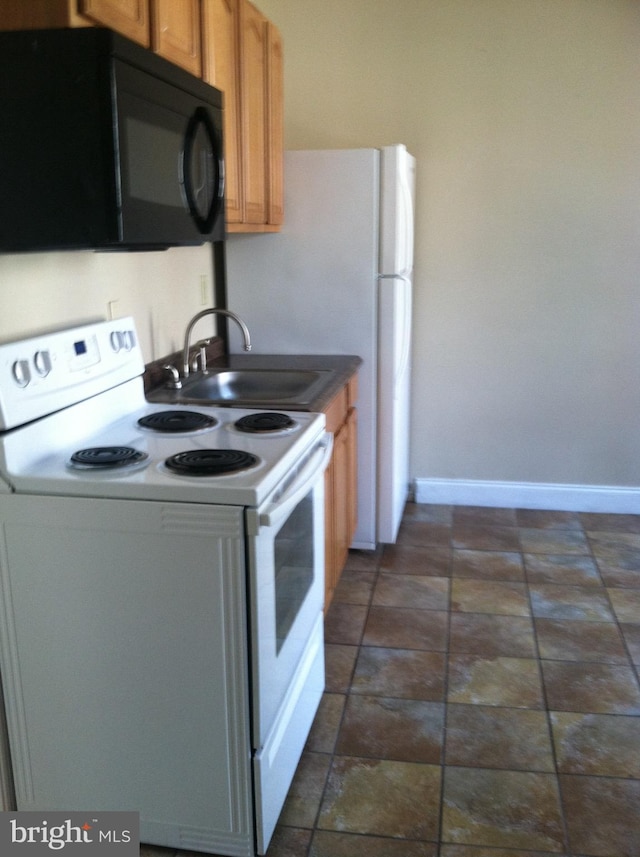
106 441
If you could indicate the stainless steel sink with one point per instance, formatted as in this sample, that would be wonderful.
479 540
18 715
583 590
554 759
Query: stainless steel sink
253 386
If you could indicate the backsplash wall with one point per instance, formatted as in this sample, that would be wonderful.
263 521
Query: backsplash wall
161 290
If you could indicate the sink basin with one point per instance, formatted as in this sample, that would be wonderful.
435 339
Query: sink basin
253 386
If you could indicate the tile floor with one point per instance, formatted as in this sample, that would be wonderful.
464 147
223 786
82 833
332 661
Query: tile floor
482 694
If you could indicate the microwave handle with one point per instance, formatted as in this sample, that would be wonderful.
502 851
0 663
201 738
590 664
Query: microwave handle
200 118
313 468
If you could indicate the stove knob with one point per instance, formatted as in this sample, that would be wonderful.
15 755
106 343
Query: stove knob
129 340
116 340
21 373
42 362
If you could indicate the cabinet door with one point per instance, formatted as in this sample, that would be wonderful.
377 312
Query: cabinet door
253 61
221 68
352 474
341 500
175 33
128 17
331 573
275 126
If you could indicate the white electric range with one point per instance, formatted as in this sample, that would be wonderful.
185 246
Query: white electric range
161 570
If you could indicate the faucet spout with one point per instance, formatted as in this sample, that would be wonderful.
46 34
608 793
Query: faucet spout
211 311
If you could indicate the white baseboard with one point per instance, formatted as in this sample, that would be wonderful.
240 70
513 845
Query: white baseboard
610 499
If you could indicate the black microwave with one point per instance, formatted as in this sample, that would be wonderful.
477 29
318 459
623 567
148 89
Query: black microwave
105 145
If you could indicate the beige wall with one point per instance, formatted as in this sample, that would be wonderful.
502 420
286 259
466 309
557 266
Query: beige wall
524 116
162 290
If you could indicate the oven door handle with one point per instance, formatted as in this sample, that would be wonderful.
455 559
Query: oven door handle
314 467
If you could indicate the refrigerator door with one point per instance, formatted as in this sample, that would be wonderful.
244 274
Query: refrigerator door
397 176
394 373
397 181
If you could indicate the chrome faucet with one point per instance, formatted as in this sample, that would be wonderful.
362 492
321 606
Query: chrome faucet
196 319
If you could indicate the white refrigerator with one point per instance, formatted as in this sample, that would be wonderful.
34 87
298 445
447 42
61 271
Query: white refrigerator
337 280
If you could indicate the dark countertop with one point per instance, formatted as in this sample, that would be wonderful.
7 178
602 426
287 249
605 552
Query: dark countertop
339 368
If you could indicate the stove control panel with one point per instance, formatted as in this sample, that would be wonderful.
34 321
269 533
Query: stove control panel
43 374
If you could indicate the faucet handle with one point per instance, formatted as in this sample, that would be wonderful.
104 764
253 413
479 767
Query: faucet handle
202 346
174 383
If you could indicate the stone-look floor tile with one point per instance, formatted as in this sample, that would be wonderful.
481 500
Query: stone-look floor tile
434 513
563 569
479 516
604 745
564 542
503 597
363 560
626 604
410 590
488 565
602 815
354 587
508 738
303 800
489 537
383 798
339 663
324 732
610 523
547 519
590 688
618 557
487 635
560 640
631 634
344 623
403 628
326 843
499 681
289 842
473 851
401 673
407 730
411 559
619 577
502 809
424 533
586 603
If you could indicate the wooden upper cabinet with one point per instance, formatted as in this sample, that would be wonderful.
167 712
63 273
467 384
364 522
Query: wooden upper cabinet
175 33
253 53
128 17
243 57
232 46
275 126
170 27
221 64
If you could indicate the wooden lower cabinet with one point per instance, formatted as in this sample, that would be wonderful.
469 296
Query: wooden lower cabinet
340 485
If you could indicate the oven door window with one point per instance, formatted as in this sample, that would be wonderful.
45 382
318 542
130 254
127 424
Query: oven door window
294 569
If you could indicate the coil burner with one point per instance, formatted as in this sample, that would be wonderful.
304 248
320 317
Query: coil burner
265 421
211 462
107 457
177 421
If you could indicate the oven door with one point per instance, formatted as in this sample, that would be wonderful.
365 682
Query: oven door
286 585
